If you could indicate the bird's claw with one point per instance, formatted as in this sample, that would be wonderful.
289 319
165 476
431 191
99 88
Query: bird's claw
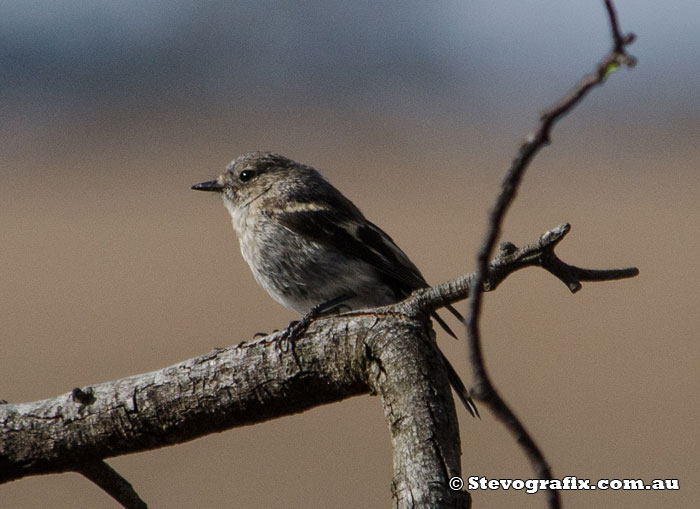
294 329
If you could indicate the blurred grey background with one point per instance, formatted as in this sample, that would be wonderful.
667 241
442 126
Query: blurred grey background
111 266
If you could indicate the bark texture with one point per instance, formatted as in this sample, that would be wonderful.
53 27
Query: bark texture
388 354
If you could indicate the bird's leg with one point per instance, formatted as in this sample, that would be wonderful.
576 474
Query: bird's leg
297 327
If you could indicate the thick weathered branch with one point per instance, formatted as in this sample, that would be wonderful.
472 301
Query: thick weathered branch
484 388
245 384
389 354
388 351
422 421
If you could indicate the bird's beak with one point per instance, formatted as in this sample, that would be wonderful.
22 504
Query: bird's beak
212 185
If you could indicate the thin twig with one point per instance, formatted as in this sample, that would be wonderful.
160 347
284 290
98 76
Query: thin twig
484 389
509 259
112 483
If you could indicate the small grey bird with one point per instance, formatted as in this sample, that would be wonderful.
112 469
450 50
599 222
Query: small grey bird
310 247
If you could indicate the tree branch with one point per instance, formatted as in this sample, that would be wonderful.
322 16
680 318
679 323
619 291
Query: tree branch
112 483
385 353
420 413
245 384
510 259
484 388
388 351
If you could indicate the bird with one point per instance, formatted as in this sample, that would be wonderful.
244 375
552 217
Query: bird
311 249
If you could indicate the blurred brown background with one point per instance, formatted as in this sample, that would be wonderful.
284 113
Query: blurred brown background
111 266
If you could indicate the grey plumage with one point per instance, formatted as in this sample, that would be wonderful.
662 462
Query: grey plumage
307 244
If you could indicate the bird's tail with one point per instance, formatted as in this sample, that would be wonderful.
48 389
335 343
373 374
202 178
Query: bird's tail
442 322
459 388
453 377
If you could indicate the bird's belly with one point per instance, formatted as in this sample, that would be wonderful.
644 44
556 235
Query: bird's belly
300 274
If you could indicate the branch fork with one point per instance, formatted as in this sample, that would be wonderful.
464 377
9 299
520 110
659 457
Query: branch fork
388 351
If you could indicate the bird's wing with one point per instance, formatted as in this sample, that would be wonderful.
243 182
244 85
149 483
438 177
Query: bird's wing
352 235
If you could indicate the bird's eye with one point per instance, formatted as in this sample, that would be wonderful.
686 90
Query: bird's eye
246 175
